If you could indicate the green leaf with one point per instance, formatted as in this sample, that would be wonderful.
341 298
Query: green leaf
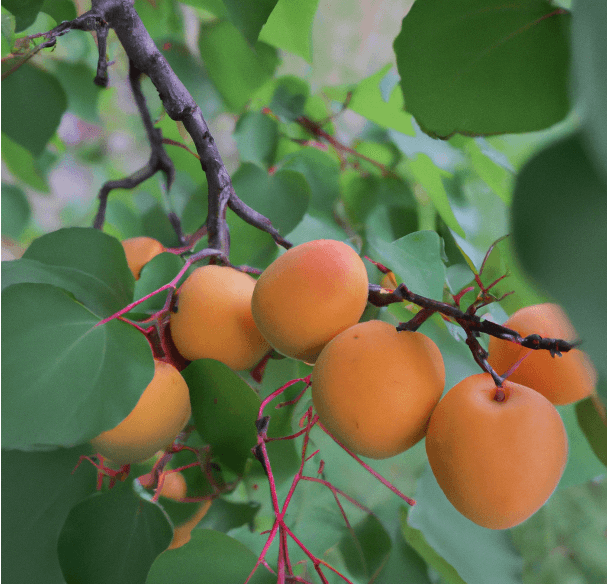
224 515
25 11
589 72
64 380
289 27
593 426
225 409
367 100
249 16
417 540
366 549
256 136
566 540
85 261
38 490
60 10
484 67
33 102
416 260
22 164
16 211
476 553
235 68
289 98
281 197
430 177
559 235
112 537
159 271
214 557
496 176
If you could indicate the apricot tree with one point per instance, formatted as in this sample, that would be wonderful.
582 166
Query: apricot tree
224 358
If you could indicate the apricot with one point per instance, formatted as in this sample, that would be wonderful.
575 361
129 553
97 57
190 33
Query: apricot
497 461
562 380
139 251
374 388
214 321
174 485
182 533
159 416
308 295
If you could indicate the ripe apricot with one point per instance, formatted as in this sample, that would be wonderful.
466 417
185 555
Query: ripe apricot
374 388
174 485
562 380
308 295
158 417
139 251
214 321
182 533
496 461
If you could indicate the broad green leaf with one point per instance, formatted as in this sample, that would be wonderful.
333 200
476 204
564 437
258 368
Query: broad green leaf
566 540
316 226
484 67
322 173
60 10
33 102
366 550
478 555
281 197
64 380
249 245
366 99
225 409
38 490
289 27
589 73
256 136
224 515
25 11
92 260
417 540
15 211
416 261
593 426
249 16
559 235
289 98
112 537
160 18
23 165
210 557
498 178
160 270
430 177
235 68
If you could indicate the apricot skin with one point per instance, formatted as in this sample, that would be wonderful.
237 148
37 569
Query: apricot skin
562 380
375 388
159 416
214 321
496 461
174 485
308 295
183 533
139 251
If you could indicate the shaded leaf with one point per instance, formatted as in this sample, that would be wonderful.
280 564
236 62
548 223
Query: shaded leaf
25 11
249 16
256 136
16 210
593 426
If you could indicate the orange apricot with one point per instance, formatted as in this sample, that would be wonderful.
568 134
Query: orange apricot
562 380
159 416
139 251
375 388
497 456
182 533
214 321
174 485
308 295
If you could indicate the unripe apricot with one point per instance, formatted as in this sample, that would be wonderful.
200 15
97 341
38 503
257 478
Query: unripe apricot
562 380
158 417
214 321
374 388
308 295
139 251
496 461
182 533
